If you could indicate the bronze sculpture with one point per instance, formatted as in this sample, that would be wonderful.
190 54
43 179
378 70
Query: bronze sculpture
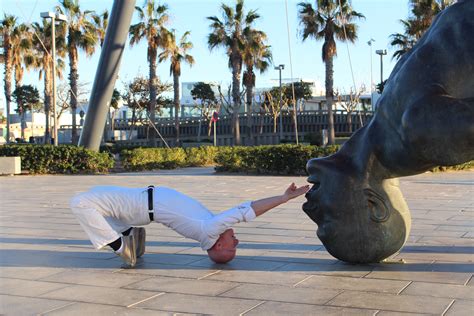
425 118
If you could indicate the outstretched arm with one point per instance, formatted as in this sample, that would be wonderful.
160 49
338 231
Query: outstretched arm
264 205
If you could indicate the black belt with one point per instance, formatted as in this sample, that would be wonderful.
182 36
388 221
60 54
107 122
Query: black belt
150 202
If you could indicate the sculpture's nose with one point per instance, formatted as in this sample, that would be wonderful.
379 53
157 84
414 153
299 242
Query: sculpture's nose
312 166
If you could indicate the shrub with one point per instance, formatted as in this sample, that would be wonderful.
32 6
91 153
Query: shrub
200 156
38 159
280 159
153 158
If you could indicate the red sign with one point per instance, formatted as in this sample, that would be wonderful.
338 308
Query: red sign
215 117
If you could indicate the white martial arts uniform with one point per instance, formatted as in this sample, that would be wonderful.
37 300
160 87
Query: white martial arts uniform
106 211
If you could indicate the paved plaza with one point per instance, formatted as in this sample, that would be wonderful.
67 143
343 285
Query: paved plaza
49 267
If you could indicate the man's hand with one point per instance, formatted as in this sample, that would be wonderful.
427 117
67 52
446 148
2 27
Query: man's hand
293 191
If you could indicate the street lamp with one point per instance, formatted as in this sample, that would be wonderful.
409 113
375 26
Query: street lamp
280 68
381 52
371 74
54 17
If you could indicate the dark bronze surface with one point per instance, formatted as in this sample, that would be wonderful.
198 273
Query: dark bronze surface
425 118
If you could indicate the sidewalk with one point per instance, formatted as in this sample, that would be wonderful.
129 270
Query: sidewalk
48 266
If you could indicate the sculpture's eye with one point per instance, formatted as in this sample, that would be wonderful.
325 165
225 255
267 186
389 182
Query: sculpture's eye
378 211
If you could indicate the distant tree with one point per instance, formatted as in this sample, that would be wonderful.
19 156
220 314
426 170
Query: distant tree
271 103
81 34
256 55
207 103
101 21
137 97
63 96
7 27
229 34
153 18
177 53
328 20
27 99
302 91
41 59
422 15
349 103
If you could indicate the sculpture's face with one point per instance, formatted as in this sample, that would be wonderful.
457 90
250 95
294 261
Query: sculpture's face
356 222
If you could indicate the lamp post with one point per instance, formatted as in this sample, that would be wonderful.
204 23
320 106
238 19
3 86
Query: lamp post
371 73
381 52
280 68
54 17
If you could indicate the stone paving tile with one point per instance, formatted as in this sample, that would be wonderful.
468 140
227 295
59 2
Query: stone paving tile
280 308
461 308
402 303
240 264
282 293
178 271
389 313
199 304
328 269
43 243
18 305
440 290
28 273
449 273
184 286
356 284
75 309
27 287
257 277
94 278
100 295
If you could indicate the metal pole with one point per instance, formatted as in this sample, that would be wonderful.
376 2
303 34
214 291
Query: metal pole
53 48
106 74
381 69
281 118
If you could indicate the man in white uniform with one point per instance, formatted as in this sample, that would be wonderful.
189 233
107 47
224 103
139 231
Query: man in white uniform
109 214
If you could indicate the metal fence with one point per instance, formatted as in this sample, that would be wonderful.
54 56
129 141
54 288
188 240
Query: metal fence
262 128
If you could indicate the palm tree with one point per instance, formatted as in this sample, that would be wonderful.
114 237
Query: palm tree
81 34
403 41
422 14
256 55
229 33
329 19
153 18
177 53
40 58
101 21
8 24
21 45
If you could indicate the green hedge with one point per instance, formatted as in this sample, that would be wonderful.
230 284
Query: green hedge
279 159
167 158
39 159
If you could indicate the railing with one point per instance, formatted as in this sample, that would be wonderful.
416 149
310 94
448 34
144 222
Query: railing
262 127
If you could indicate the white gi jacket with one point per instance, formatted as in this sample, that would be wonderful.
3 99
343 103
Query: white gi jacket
106 211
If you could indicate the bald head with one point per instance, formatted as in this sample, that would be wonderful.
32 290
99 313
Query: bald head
225 248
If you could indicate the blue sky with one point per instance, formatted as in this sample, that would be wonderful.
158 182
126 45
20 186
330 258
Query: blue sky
382 19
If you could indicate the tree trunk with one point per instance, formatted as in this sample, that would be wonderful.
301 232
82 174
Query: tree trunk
47 99
236 70
275 117
7 80
152 86
73 79
349 121
249 114
176 107
330 99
